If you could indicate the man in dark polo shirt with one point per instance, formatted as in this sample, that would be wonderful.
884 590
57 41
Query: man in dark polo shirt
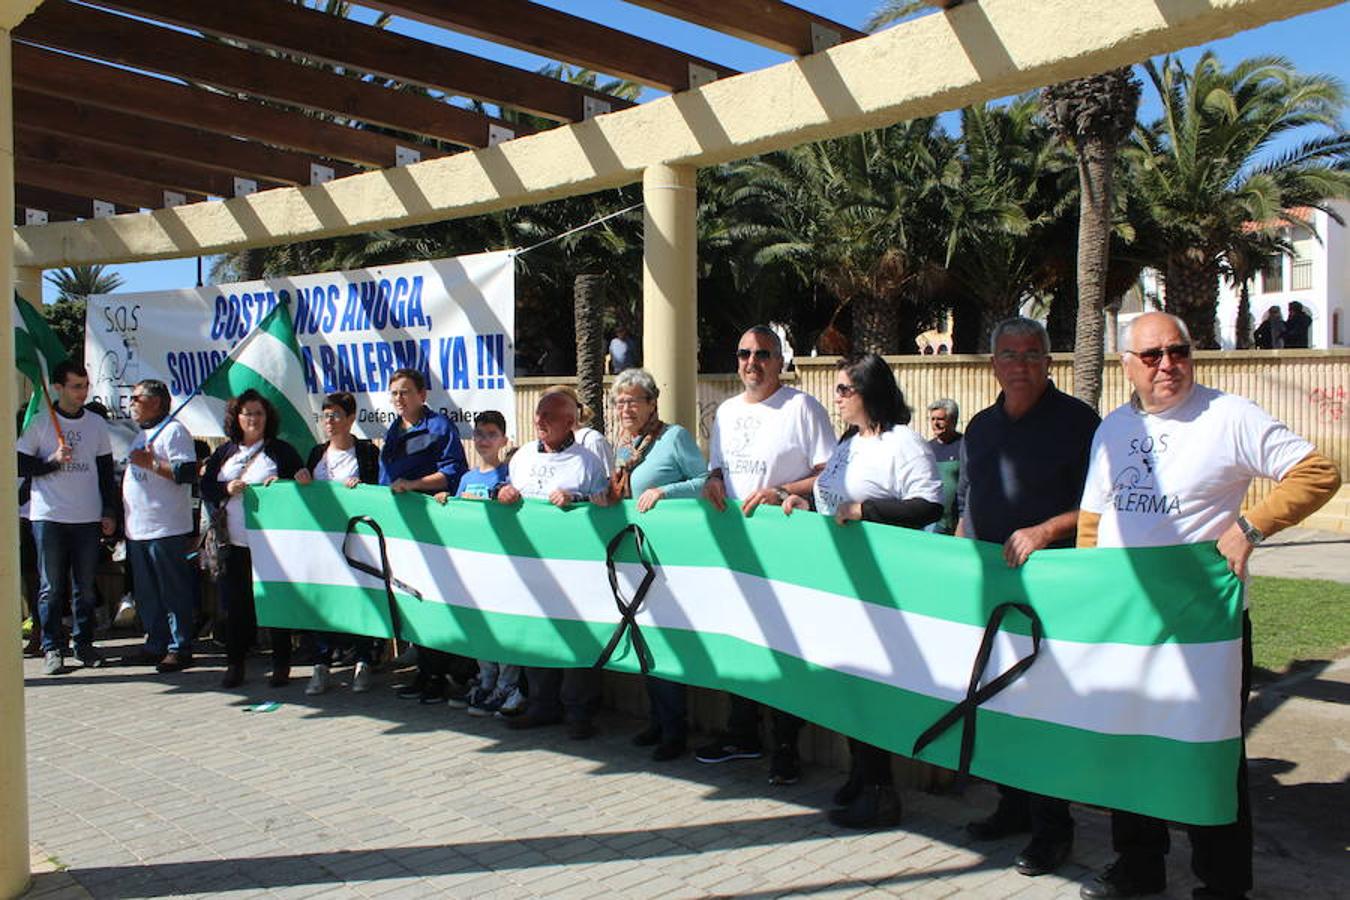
1023 464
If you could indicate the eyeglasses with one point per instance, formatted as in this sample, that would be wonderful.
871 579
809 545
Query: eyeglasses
622 402
253 415
332 416
745 353
1030 357
1152 357
844 390
140 398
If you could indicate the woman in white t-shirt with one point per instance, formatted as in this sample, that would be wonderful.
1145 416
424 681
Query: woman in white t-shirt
350 460
881 471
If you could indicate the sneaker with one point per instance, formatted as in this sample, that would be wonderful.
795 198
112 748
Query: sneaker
52 663
434 692
361 678
457 695
726 751
126 612
785 767
90 657
412 690
318 681
480 702
33 649
513 703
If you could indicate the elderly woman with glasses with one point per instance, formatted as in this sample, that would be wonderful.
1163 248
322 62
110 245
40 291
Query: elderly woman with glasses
653 461
880 471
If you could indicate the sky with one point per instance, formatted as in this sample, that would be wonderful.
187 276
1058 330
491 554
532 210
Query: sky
1314 42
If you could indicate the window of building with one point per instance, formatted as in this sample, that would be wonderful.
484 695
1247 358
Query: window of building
1272 275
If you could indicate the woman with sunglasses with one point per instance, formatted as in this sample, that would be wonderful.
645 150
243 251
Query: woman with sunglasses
654 461
252 456
881 471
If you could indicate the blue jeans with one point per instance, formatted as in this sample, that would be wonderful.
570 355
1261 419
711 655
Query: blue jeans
67 557
165 590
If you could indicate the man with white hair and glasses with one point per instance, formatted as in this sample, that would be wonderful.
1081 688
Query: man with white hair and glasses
1172 466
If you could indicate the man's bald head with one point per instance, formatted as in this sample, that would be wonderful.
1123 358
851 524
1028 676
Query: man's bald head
555 417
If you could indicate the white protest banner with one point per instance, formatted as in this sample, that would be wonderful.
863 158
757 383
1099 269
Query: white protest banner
452 319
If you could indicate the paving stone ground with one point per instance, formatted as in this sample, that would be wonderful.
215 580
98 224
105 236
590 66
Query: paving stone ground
147 785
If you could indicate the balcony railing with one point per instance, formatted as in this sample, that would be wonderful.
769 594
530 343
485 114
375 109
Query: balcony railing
1301 275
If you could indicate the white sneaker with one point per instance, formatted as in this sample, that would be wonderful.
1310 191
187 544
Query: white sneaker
126 612
361 678
318 682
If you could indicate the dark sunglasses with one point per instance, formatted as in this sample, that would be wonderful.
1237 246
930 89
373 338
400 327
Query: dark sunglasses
1152 357
844 390
759 355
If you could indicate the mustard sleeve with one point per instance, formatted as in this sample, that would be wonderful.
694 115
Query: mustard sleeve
1087 528
1301 492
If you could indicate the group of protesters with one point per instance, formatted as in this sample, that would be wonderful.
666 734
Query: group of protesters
1037 469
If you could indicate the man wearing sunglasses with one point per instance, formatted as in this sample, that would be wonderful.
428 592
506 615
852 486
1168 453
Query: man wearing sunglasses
1172 466
1023 461
767 442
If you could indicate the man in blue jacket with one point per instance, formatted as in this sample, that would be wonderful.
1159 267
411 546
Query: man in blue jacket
422 452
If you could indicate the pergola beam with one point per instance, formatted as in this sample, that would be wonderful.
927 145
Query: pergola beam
121 189
211 150
55 201
973 54
779 26
332 39
128 42
39 70
183 175
557 35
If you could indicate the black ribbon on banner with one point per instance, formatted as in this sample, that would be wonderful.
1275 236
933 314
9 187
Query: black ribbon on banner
383 572
628 610
975 695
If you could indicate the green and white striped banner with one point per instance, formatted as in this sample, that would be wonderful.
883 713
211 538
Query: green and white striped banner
870 630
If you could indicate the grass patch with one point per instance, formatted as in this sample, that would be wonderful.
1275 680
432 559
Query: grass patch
1297 620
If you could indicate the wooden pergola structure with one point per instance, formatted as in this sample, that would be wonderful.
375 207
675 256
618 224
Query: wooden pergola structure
121 122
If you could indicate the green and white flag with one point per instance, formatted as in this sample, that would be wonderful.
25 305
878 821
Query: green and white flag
268 360
37 350
873 631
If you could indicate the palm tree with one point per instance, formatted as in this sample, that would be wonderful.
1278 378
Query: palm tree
1006 202
1093 115
1205 172
851 216
893 11
74 285
78 282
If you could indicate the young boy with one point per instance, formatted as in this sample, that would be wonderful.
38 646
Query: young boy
497 690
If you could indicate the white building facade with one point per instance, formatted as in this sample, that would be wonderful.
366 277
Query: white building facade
1317 275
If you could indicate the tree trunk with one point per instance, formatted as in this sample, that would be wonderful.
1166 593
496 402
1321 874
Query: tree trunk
876 325
588 292
1242 338
1095 173
1192 292
1062 319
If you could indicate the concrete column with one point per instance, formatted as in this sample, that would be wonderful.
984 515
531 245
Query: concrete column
13 773
669 295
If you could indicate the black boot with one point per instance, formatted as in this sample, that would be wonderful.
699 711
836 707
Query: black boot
875 806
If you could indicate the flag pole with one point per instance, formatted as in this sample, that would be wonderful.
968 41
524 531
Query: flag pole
197 391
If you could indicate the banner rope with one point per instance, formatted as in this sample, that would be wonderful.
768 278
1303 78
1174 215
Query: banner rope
571 231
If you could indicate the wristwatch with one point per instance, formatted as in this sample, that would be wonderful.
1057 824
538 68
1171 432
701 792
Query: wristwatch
1253 534
782 493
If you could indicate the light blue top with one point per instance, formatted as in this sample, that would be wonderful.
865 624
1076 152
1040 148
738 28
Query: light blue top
674 463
